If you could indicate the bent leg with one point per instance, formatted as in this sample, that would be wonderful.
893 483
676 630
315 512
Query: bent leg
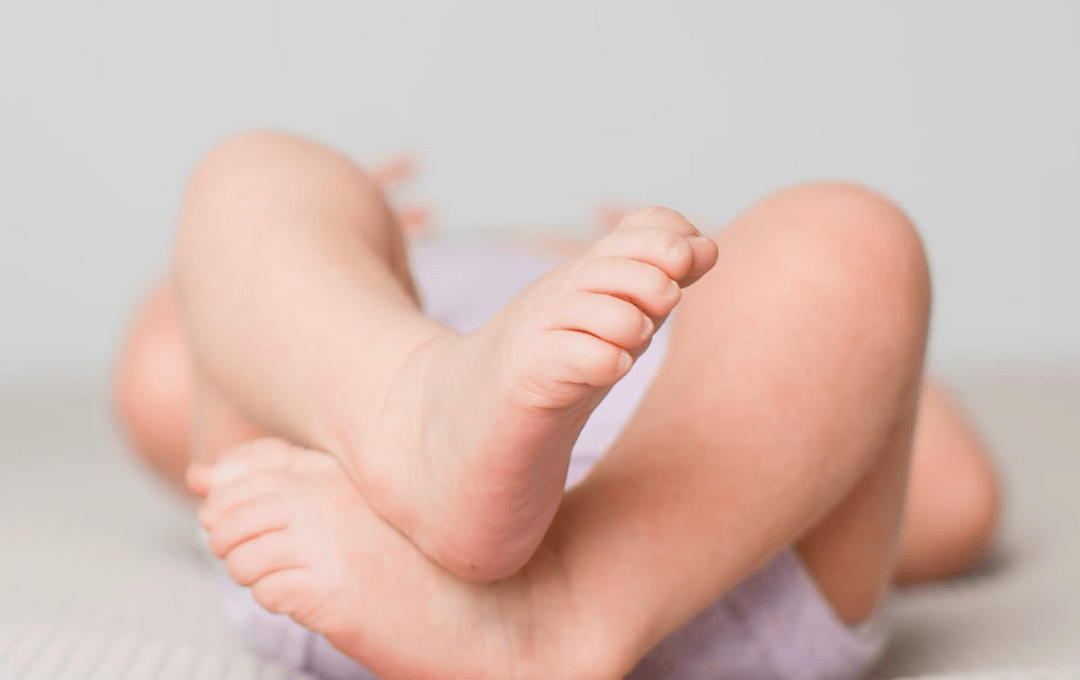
289 265
300 314
154 384
154 390
782 415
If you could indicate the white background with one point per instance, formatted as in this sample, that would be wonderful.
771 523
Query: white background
966 113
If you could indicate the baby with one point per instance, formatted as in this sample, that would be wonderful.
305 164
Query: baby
393 481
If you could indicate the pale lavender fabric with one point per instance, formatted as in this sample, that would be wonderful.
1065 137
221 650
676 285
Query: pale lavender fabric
774 625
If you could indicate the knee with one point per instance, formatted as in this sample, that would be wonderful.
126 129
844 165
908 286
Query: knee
253 149
266 155
247 167
861 237
952 531
979 516
854 251
961 487
152 389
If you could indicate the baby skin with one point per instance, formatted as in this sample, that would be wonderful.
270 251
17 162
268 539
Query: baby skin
290 524
427 535
475 482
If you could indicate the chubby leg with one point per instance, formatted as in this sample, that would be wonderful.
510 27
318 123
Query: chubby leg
954 504
783 415
154 391
951 513
299 310
152 388
290 524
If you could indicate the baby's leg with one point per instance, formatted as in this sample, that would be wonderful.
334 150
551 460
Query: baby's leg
302 319
951 515
152 387
953 509
261 212
782 416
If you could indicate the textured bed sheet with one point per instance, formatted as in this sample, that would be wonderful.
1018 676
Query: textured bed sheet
100 579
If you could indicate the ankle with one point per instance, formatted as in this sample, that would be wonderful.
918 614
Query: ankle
557 633
429 499
480 560
391 390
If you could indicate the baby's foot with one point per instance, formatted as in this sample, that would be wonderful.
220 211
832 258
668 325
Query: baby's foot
485 422
290 524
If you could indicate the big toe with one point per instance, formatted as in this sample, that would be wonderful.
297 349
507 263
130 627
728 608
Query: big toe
702 253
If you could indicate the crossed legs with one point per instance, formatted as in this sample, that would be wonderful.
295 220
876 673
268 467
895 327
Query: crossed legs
783 414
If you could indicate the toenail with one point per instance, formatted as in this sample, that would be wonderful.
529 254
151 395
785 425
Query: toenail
226 472
678 249
624 362
672 288
697 238
646 327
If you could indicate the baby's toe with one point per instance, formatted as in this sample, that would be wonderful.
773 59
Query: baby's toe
661 248
265 554
646 286
608 318
658 216
222 499
198 479
568 359
247 521
265 454
685 262
286 591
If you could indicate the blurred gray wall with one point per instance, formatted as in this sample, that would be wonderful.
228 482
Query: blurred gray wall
966 113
